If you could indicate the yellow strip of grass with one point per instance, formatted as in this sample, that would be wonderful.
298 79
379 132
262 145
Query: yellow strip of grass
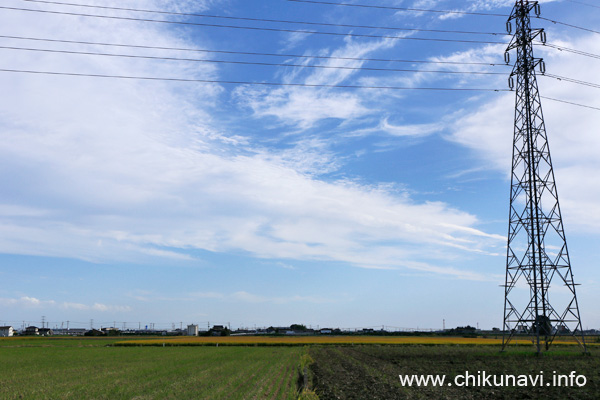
306 340
301 340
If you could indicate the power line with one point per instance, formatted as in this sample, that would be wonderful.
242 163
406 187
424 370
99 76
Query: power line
569 25
568 50
252 27
400 8
253 83
249 62
252 53
572 80
262 19
571 103
582 3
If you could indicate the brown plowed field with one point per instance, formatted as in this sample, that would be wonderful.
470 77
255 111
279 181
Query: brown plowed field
371 372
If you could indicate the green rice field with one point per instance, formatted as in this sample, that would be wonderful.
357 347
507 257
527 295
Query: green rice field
88 369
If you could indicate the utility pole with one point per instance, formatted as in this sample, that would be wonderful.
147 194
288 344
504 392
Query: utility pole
537 247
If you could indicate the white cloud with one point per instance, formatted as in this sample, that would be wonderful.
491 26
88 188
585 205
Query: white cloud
32 302
410 130
494 4
293 39
285 266
75 306
304 107
106 170
308 155
571 130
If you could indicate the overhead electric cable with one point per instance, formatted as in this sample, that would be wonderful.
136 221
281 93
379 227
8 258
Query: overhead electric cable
249 62
582 3
569 25
568 102
251 27
252 53
262 19
400 8
252 83
572 80
568 50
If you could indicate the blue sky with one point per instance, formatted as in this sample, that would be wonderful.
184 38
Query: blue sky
141 201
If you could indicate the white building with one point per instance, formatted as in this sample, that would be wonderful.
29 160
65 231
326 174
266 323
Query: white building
6 331
192 330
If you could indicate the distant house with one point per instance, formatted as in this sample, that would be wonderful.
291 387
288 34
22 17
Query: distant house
45 332
6 331
32 331
111 331
219 330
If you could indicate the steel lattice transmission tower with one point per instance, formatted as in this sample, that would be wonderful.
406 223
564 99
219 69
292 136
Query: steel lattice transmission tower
537 255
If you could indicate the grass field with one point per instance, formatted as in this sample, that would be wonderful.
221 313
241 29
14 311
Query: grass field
106 368
88 369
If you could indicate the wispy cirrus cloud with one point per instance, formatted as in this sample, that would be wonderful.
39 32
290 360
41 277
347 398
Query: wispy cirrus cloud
304 107
122 170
